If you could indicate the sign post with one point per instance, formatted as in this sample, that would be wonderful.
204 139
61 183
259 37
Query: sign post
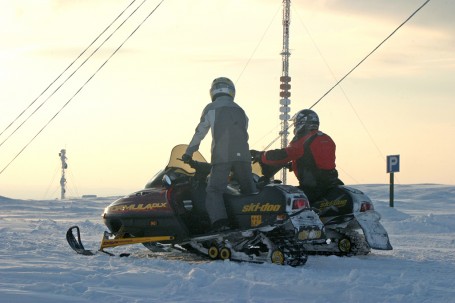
393 166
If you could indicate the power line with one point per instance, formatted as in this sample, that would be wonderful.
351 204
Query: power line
257 46
380 44
59 76
86 82
355 67
342 90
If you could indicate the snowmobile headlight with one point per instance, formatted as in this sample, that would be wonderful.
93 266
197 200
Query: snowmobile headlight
166 181
104 212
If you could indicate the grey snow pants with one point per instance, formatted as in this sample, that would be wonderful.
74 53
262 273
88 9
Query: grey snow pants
218 182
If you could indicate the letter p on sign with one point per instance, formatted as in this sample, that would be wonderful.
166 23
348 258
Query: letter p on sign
393 164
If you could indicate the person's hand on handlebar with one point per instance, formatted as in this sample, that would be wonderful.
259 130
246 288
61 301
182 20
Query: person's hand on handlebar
256 155
186 158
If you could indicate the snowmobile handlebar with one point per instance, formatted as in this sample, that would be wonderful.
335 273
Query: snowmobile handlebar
201 168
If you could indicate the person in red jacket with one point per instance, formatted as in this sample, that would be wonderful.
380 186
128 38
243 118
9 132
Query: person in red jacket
311 153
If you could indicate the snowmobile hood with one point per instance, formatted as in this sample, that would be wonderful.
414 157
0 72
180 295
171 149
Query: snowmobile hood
141 202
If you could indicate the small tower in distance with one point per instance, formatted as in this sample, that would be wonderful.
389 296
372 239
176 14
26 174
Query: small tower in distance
63 158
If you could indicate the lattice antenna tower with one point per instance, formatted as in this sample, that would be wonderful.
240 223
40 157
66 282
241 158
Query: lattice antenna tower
63 158
285 80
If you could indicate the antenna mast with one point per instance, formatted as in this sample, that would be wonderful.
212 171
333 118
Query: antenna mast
285 80
62 155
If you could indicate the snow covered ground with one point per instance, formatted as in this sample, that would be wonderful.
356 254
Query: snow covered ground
37 265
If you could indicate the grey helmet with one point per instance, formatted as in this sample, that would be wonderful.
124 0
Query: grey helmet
305 120
222 86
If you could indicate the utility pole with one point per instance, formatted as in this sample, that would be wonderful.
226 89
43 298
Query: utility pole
63 158
285 80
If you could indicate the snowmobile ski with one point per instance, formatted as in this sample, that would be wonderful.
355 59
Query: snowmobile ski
107 242
76 243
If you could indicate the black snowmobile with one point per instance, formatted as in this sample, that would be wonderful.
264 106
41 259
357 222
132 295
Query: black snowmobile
270 226
351 224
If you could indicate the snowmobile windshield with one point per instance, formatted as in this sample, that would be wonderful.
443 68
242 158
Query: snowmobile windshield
175 161
176 165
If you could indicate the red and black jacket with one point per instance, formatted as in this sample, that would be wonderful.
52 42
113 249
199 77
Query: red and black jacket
312 156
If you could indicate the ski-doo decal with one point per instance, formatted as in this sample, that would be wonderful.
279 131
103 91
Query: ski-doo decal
256 220
260 207
336 203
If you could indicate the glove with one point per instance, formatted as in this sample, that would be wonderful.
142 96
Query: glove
186 158
256 155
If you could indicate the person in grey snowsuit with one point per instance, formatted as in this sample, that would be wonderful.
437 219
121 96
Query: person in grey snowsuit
229 151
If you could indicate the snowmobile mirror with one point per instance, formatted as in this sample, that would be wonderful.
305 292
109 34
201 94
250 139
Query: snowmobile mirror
167 181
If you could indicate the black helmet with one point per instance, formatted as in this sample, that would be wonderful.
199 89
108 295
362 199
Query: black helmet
222 86
305 120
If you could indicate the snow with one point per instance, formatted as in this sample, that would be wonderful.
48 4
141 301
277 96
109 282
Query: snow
37 265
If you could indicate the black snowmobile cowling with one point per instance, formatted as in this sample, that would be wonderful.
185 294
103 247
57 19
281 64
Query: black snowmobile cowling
178 209
151 212
269 226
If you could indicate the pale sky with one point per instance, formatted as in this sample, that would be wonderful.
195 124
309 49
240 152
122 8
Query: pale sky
119 130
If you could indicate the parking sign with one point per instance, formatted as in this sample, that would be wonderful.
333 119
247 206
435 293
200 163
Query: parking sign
393 164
